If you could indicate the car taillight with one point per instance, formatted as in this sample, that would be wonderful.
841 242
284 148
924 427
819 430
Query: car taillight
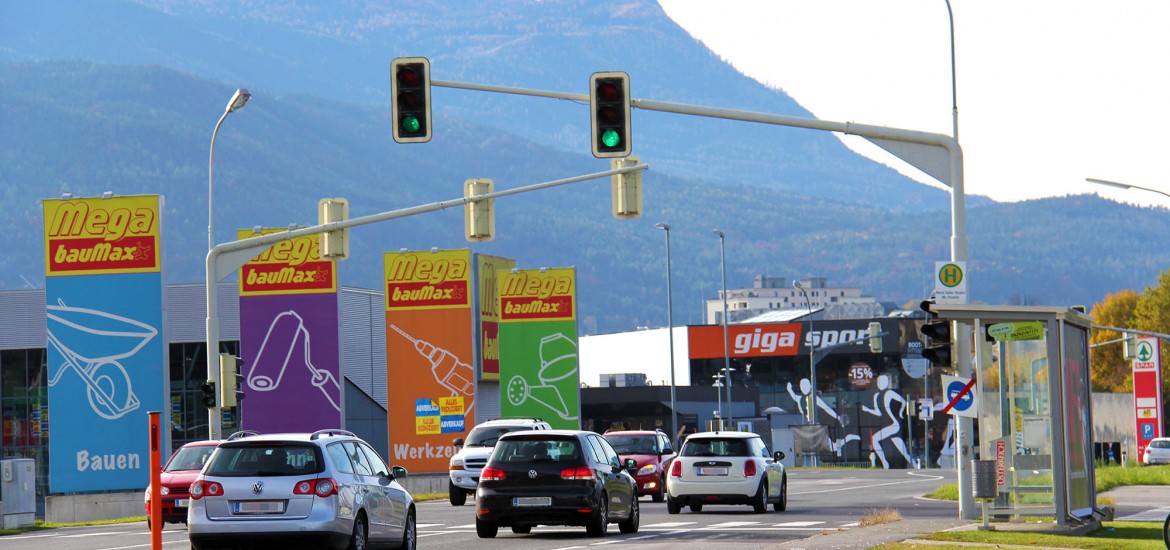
749 468
580 472
676 469
320 487
201 489
491 474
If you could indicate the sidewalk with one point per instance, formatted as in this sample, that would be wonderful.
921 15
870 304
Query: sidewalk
861 538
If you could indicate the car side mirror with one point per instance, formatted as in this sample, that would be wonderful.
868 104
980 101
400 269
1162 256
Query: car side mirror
458 442
397 472
778 455
666 451
631 464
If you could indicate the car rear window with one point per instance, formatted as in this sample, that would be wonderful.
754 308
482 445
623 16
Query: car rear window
537 449
1160 444
265 459
715 447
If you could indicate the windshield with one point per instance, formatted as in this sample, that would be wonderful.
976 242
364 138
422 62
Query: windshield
633 444
266 458
190 458
486 436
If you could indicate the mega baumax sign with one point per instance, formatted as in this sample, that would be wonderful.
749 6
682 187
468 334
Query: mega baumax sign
428 280
287 267
101 236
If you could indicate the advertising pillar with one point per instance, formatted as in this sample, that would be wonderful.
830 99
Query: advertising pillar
291 359
490 268
429 355
538 346
107 361
1147 392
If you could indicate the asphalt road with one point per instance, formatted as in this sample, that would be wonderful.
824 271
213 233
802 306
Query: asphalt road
821 502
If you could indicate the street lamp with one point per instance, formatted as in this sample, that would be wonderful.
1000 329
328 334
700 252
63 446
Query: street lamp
812 364
215 414
237 102
726 351
1125 186
670 330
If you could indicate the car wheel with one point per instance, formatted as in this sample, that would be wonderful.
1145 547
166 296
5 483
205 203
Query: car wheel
696 507
672 505
599 523
456 495
486 529
661 494
760 502
409 533
359 538
782 504
521 529
631 523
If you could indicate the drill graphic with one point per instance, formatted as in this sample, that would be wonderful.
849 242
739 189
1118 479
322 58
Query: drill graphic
448 370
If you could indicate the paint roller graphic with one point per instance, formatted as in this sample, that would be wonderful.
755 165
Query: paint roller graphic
449 371
557 363
276 351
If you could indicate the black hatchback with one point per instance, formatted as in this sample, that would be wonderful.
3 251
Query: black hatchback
555 477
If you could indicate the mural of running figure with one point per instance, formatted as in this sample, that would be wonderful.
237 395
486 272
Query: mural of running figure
805 391
892 431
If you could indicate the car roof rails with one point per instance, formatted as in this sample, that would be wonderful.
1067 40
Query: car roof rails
333 431
536 418
242 434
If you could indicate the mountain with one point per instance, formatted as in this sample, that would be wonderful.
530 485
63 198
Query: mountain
123 97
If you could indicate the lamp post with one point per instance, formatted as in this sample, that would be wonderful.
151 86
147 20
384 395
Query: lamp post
812 364
1125 186
726 351
215 414
236 103
670 331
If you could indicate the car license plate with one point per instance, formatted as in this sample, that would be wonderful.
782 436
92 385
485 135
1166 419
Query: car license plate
181 503
532 501
258 507
712 471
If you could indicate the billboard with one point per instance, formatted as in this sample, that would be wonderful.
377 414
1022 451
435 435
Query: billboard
488 272
539 374
1147 391
107 355
291 359
429 355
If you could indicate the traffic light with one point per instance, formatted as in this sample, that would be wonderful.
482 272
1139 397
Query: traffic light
627 190
229 380
938 338
410 99
334 244
609 105
208 394
875 341
479 216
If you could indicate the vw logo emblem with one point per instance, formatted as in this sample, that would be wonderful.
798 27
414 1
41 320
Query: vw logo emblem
258 487
531 474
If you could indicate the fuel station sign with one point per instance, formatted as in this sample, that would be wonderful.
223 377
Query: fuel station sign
1147 391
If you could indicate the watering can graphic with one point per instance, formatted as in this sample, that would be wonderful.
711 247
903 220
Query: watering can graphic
92 343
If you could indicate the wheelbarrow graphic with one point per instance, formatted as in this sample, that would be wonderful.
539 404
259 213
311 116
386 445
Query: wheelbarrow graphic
92 342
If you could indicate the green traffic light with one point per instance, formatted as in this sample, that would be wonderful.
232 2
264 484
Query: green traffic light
611 138
410 123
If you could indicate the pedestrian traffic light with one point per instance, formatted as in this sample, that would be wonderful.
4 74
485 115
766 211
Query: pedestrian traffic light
609 105
938 338
229 380
208 394
875 339
410 99
627 190
479 216
334 245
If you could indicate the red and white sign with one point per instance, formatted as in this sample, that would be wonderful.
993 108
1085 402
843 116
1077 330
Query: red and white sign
1000 464
1147 391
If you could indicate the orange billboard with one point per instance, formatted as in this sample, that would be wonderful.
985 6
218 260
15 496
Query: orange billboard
763 340
102 236
429 355
287 267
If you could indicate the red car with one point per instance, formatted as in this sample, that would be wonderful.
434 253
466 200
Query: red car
182 468
652 451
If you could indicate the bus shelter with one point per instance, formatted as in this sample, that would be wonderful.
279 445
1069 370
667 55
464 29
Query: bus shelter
1032 394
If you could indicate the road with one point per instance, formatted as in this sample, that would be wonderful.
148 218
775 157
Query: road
819 500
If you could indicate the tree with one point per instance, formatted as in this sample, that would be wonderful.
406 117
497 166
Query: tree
1111 370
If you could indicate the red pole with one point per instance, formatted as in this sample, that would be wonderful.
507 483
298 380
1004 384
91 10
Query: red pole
155 481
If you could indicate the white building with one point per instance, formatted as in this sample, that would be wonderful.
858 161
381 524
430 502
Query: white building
779 293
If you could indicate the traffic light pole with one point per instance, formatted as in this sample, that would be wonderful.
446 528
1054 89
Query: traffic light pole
224 259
